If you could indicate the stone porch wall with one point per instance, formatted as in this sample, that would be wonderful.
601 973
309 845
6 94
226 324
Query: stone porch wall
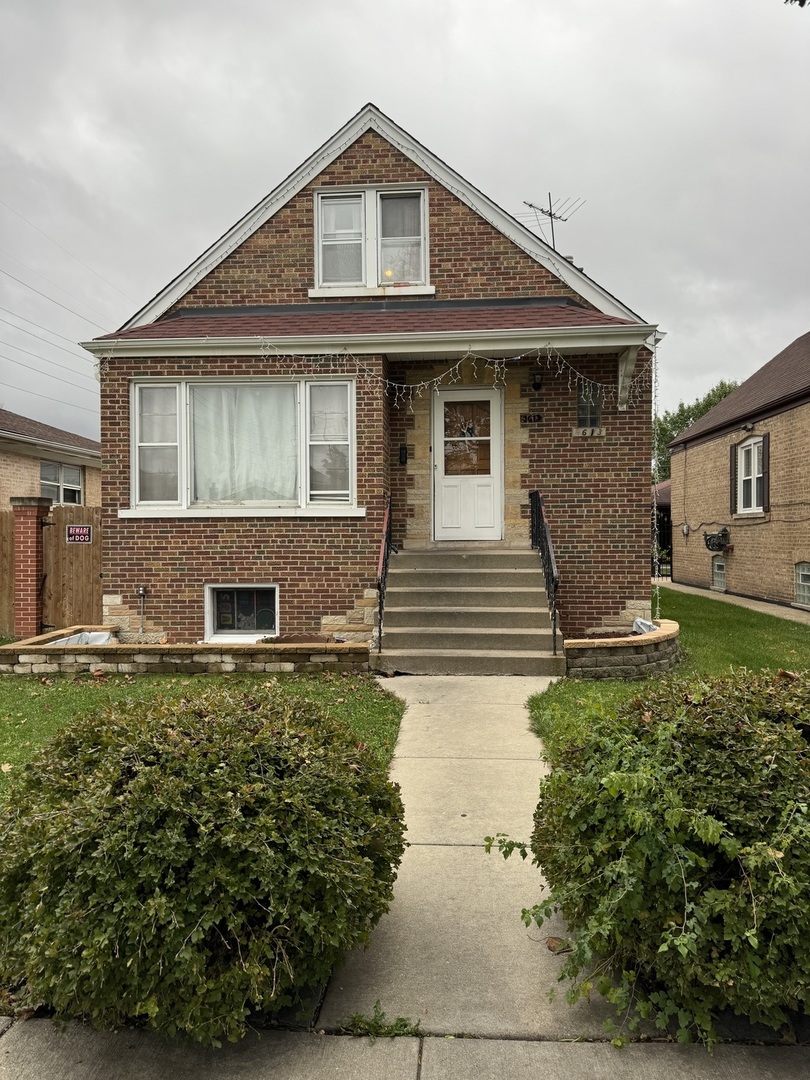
637 656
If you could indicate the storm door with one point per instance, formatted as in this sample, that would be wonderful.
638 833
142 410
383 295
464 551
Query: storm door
467 465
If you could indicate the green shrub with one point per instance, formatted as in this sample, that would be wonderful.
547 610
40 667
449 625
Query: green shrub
193 860
676 841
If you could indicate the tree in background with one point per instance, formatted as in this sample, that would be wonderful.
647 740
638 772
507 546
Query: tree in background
672 423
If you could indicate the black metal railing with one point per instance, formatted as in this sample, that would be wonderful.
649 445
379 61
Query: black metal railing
541 541
386 547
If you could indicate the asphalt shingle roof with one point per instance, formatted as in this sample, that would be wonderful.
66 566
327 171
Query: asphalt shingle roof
773 387
302 320
32 430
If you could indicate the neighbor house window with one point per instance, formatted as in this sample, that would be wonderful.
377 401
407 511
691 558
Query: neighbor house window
241 612
749 475
589 405
61 483
246 444
803 584
718 572
371 238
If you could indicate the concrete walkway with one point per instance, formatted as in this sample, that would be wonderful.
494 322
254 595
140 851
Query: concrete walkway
452 953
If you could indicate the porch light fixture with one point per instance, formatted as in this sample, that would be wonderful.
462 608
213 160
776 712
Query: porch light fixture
537 380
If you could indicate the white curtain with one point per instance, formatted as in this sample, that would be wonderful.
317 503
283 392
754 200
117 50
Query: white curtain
244 444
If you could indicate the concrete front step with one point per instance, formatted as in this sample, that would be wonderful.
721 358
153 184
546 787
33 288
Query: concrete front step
464 662
481 617
459 596
436 559
477 639
461 577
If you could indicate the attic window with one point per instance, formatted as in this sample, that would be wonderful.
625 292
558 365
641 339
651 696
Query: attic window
370 241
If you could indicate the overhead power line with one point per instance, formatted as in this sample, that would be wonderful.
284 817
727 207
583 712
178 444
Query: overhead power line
39 326
60 401
62 248
51 299
51 344
62 367
55 284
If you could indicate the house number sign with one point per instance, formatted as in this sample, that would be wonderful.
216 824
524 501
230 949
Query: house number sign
79 534
526 419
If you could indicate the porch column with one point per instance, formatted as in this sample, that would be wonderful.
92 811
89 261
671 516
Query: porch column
28 564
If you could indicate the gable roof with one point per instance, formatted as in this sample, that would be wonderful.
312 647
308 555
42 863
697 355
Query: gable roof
370 118
781 384
14 427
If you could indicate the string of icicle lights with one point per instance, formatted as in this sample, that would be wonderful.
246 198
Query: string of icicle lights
405 394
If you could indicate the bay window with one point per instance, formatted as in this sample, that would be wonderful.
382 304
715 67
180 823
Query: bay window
277 444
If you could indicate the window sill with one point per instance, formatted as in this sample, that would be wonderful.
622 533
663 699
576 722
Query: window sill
746 515
243 512
380 290
236 639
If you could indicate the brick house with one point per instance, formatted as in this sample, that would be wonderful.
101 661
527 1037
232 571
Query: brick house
375 330
740 511
37 460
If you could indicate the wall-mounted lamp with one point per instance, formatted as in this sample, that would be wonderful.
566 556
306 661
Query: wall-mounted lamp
141 591
537 380
748 427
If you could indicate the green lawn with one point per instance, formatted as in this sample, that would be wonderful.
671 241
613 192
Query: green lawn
715 637
33 708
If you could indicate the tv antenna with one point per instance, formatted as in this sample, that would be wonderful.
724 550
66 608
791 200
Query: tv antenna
559 211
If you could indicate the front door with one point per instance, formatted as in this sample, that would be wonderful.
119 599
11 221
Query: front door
467 465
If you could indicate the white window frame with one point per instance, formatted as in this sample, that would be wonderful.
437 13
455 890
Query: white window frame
235 637
719 573
754 506
302 506
370 284
802 585
60 483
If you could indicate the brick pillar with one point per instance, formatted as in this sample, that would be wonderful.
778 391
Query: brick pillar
28 567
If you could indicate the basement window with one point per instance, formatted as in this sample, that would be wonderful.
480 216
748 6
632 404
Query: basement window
241 613
803 584
719 572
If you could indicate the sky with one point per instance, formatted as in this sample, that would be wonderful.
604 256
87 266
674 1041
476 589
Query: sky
133 133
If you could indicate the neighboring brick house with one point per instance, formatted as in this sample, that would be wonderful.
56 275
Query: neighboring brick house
259 413
39 460
740 508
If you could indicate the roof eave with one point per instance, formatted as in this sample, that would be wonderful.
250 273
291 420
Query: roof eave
578 338
7 437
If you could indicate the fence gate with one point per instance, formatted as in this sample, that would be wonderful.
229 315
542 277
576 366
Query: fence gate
71 555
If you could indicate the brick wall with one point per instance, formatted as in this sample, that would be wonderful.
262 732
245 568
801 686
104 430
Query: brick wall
469 258
766 546
324 567
596 488
19 475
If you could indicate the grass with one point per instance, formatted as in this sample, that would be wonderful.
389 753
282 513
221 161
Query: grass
715 637
32 708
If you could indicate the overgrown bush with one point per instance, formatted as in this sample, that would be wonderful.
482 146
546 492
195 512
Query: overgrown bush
193 860
676 842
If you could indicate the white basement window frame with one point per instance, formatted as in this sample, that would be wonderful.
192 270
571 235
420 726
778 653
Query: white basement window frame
243 447
371 241
241 613
802 593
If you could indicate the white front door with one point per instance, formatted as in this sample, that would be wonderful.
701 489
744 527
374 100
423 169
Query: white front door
467 465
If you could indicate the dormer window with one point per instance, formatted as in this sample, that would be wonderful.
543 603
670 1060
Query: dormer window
370 241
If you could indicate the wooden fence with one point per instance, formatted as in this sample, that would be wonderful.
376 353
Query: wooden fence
71 584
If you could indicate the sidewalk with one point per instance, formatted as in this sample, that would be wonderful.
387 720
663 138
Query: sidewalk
452 953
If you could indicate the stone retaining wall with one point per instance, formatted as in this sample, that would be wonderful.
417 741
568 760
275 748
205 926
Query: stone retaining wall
634 657
37 657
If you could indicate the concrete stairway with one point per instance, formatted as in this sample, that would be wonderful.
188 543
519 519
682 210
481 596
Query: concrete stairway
467 610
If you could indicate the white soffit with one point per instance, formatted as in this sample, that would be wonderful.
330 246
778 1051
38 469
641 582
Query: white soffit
371 119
